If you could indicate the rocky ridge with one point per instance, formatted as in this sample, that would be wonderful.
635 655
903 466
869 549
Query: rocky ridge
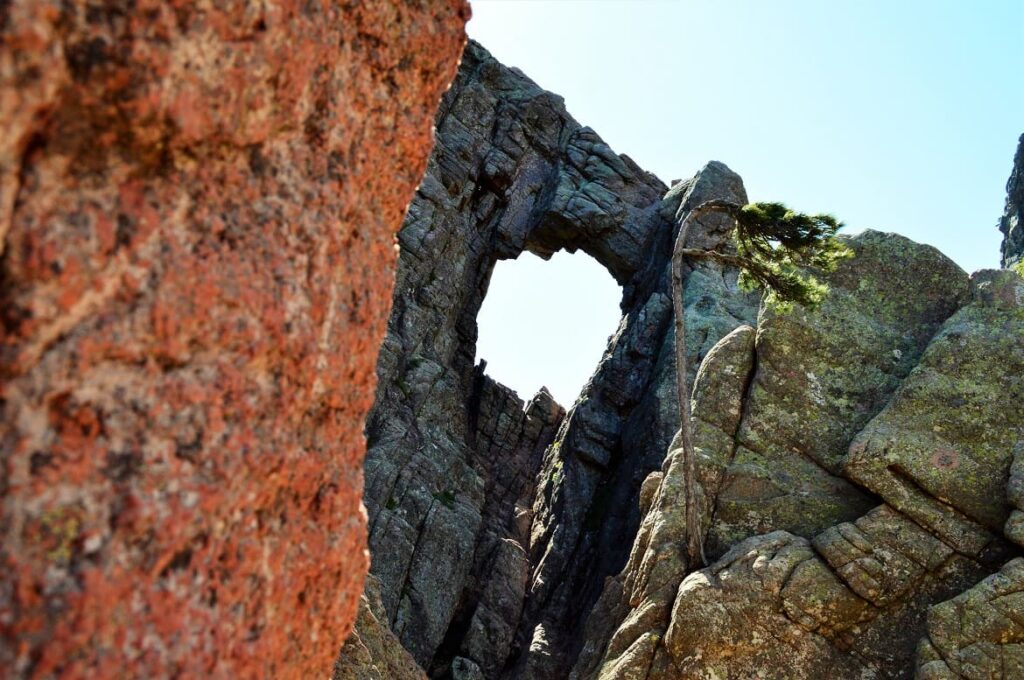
854 595
1012 221
860 464
453 457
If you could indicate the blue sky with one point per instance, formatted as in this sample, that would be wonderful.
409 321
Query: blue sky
898 116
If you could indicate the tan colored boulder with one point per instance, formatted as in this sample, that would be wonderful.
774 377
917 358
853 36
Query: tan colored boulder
979 634
941 450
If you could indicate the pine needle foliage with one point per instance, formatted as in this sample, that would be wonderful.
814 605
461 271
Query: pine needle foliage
780 250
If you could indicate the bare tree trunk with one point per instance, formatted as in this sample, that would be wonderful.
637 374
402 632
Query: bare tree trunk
693 548
694 535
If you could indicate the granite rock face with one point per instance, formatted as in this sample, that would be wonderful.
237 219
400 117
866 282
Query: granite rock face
477 561
373 652
942 449
1012 221
773 607
197 210
820 377
851 594
524 541
634 609
979 633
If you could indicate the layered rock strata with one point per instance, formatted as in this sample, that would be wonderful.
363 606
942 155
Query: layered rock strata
197 210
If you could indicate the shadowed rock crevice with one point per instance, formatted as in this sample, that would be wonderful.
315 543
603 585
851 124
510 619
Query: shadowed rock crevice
618 433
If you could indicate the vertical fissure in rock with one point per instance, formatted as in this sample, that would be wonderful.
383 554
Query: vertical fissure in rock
509 202
744 412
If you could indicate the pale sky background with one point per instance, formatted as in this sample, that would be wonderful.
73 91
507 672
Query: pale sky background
893 115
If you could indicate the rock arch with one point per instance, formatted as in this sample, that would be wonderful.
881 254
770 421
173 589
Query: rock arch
513 172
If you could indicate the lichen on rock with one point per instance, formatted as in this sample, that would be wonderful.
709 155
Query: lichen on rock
197 212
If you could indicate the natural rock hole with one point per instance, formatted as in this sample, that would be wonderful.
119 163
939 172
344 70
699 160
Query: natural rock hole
547 323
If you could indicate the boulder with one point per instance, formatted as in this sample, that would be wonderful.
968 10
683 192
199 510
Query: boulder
979 633
821 375
941 451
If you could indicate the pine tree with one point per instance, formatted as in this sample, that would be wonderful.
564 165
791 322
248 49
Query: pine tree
778 250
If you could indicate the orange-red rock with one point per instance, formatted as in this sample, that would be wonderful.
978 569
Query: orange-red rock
197 209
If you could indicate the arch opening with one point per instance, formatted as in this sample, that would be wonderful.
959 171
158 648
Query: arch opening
546 323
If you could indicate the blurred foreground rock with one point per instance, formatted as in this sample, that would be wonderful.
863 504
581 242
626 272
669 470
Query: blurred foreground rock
197 212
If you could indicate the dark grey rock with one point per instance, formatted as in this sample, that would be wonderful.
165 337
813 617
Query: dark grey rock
1012 221
453 458
465 669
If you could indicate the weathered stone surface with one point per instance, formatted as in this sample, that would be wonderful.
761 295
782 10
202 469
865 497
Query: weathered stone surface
453 458
495 536
197 209
979 634
493 624
879 574
493 178
466 669
821 375
1014 527
618 433
1012 221
772 607
882 555
372 652
941 450
732 619
637 605
895 565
